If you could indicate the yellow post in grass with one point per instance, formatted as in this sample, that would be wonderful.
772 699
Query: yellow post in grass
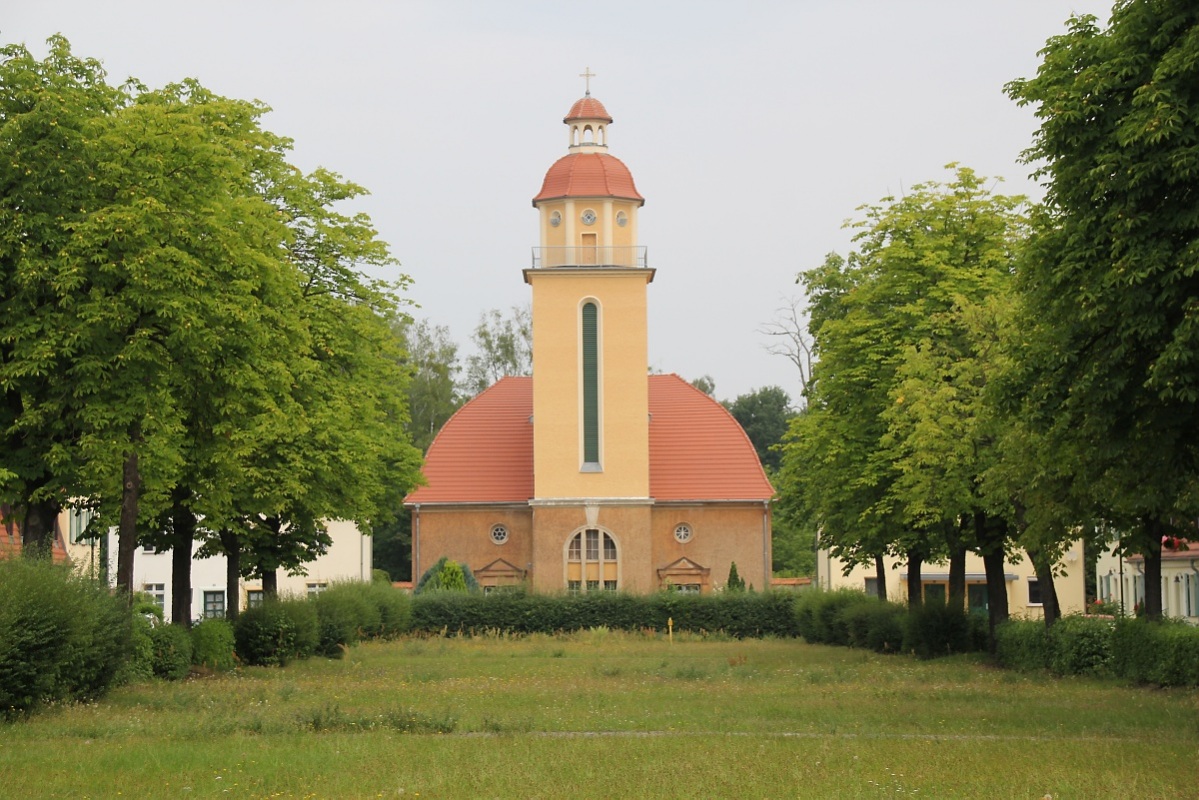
670 629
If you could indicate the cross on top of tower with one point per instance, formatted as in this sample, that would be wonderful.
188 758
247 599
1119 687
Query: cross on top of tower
587 75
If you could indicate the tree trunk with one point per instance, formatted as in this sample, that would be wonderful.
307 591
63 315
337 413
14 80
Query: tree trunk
270 584
232 547
990 544
127 527
915 585
957 577
1153 568
37 532
880 577
1044 570
183 534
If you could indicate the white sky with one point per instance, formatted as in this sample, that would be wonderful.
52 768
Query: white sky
753 129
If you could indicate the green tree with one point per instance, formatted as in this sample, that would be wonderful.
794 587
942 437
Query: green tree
50 113
735 583
433 394
1108 366
888 327
764 415
504 347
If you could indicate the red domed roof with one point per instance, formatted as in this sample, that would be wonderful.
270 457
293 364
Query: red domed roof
588 175
697 451
588 108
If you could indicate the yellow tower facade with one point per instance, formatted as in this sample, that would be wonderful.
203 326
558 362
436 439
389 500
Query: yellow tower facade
590 353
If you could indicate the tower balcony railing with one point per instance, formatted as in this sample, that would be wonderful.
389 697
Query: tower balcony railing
627 256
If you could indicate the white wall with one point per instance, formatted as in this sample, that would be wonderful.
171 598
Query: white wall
348 558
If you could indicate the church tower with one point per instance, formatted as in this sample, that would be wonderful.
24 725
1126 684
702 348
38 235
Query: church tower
592 474
589 281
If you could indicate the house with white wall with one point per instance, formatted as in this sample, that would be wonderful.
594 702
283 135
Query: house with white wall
347 559
1023 587
1121 580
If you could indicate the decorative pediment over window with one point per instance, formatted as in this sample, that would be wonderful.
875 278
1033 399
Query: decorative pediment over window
684 574
499 573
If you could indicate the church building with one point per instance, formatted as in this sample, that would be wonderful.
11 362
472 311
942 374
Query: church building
593 475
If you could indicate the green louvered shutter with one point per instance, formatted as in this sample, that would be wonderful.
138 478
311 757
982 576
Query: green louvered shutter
590 384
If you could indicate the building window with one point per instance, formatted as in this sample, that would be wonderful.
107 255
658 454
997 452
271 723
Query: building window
214 605
682 533
499 534
622 218
158 593
80 517
871 587
253 598
686 588
1034 592
592 561
590 383
316 587
556 219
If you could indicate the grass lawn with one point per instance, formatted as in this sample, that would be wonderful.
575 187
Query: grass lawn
610 715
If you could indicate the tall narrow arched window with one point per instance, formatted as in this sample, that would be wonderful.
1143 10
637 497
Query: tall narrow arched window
590 384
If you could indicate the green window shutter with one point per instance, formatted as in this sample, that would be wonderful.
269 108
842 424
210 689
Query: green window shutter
590 383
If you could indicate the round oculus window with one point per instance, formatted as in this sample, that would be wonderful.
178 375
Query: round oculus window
555 219
682 534
588 217
622 219
499 534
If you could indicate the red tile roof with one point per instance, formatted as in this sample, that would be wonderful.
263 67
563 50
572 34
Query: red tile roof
588 175
587 108
697 451
484 453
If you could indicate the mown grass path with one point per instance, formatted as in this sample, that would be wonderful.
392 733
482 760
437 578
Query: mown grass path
601 714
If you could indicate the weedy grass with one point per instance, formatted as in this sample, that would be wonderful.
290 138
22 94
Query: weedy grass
608 714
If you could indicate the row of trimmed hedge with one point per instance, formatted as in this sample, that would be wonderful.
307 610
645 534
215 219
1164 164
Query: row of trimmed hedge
850 618
1163 653
739 614
284 630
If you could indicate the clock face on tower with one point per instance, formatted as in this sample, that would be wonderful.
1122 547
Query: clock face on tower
588 217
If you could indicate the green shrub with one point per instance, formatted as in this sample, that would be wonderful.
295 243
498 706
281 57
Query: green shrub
1164 653
1022 644
302 615
819 618
172 656
435 578
212 644
938 629
139 666
874 624
61 635
277 632
395 609
346 616
735 583
1080 646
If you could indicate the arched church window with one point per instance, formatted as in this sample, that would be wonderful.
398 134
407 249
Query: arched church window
591 561
590 383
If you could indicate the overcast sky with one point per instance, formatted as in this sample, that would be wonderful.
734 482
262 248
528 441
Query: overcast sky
753 129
